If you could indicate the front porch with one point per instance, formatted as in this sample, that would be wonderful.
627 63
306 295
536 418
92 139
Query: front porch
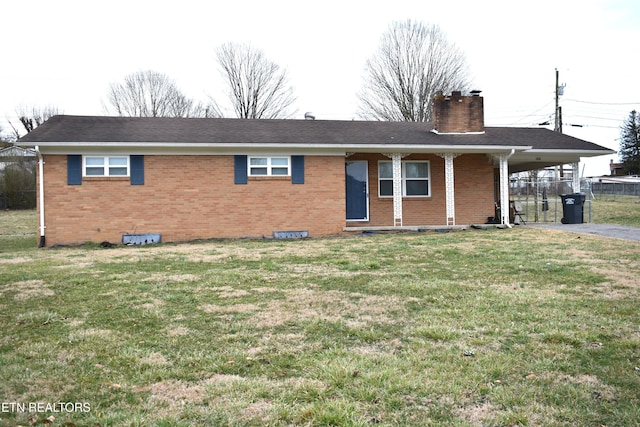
458 188
414 228
421 191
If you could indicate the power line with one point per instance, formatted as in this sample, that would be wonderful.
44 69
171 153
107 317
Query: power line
530 114
591 126
593 117
603 103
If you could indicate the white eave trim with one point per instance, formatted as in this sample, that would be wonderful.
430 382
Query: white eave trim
582 153
191 147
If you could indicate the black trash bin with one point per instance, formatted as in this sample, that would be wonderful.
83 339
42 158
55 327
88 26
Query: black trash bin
572 208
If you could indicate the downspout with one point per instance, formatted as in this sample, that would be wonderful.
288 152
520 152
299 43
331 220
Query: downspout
504 187
41 195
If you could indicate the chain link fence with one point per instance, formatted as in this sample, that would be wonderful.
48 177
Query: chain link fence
23 199
608 190
539 200
17 182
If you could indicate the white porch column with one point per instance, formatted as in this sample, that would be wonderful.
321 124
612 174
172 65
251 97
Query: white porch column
576 177
449 187
396 160
504 187
396 165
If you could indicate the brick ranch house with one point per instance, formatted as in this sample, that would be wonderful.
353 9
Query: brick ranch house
101 178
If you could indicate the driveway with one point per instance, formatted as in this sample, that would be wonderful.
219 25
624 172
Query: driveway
606 230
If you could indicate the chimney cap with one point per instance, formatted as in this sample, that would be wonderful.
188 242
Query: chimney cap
475 92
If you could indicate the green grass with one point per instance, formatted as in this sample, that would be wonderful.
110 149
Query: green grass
623 210
18 230
499 327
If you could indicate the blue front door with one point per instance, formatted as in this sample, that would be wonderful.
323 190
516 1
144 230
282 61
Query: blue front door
357 190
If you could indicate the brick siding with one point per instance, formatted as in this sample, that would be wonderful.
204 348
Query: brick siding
194 197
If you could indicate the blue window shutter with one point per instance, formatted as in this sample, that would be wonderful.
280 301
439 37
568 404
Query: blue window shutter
74 169
240 169
297 169
136 164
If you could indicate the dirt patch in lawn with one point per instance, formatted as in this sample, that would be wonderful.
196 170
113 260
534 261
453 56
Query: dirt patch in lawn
29 289
155 359
591 385
171 278
333 306
178 331
477 414
212 251
622 283
257 410
236 308
152 305
174 393
621 274
16 260
93 332
229 292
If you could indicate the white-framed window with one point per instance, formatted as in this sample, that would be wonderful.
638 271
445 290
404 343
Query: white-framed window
105 166
416 178
269 166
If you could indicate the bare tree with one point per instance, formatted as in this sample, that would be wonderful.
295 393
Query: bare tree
258 87
31 118
152 94
413 63
5 140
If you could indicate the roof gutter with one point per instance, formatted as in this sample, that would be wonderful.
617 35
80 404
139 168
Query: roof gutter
41 244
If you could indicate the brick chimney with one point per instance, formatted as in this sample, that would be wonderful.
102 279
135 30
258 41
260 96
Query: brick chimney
457 113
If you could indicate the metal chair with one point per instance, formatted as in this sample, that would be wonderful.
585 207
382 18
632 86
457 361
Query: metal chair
517 212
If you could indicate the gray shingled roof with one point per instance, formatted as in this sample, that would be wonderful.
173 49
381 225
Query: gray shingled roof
94 130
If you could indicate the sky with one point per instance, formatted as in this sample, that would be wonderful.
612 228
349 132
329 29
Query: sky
66 53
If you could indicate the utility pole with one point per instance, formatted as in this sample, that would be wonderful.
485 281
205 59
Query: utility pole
558 121
559 93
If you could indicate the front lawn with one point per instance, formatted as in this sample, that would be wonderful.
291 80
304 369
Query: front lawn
497 327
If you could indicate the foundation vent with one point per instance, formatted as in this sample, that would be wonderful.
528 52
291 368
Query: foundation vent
290 234
141 239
